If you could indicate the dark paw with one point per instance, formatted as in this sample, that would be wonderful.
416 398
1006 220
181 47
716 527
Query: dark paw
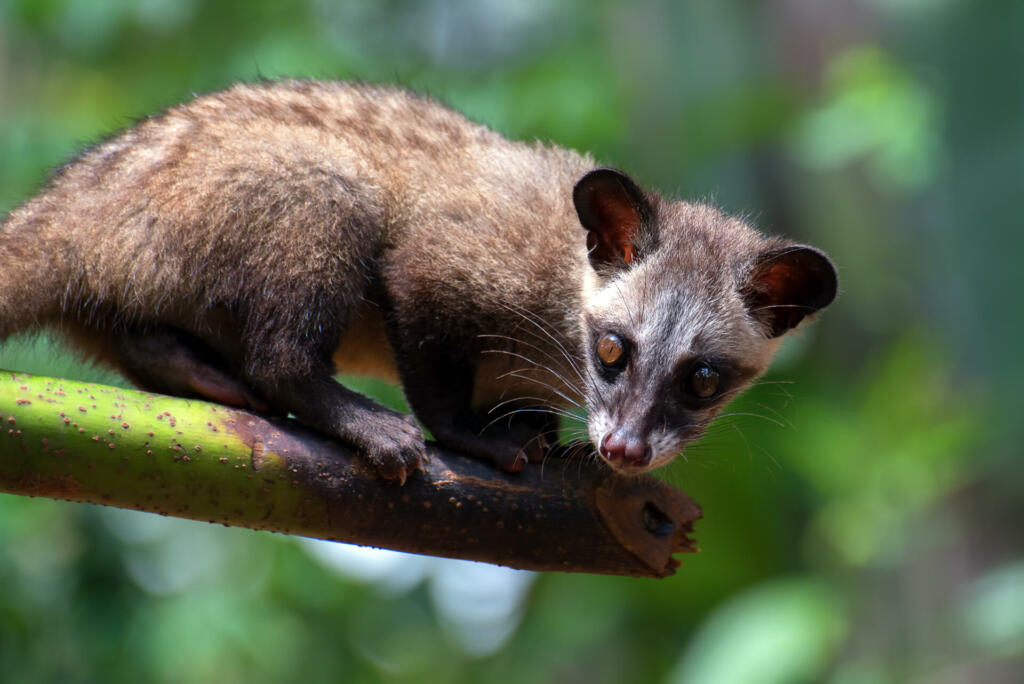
395 448
511 456
537 449
508 449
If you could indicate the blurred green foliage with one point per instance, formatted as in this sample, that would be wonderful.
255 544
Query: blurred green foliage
861 503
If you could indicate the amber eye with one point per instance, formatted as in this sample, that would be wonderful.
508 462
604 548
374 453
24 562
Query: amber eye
610 350
703 381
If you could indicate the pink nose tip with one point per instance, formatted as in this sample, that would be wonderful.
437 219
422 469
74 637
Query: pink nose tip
621 447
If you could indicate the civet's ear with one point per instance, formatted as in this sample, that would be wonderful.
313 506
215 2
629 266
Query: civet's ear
617 217
787 283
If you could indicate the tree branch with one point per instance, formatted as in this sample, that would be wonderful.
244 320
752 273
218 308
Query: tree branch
191 459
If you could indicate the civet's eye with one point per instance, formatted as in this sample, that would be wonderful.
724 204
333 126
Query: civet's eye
703 381
611 350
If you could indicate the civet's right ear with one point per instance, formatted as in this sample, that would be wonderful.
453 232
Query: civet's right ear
785 284
616 215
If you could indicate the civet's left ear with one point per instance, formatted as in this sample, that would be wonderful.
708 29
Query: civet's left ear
787 283
617 217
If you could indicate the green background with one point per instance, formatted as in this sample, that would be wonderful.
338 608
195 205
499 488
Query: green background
862 514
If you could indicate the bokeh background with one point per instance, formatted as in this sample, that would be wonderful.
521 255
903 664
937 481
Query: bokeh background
863 520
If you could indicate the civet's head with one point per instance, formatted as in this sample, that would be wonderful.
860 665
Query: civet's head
688 309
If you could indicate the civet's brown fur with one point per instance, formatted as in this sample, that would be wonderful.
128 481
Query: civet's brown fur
233 246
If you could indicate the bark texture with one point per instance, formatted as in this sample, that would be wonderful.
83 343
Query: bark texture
85 442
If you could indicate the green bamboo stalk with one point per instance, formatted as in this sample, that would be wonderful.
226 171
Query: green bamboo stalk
86 442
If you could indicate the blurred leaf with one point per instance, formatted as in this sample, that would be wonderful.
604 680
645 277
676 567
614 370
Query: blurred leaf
887 449
781 632
874 110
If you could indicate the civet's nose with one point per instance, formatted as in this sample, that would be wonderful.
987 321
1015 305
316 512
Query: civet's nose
621 447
